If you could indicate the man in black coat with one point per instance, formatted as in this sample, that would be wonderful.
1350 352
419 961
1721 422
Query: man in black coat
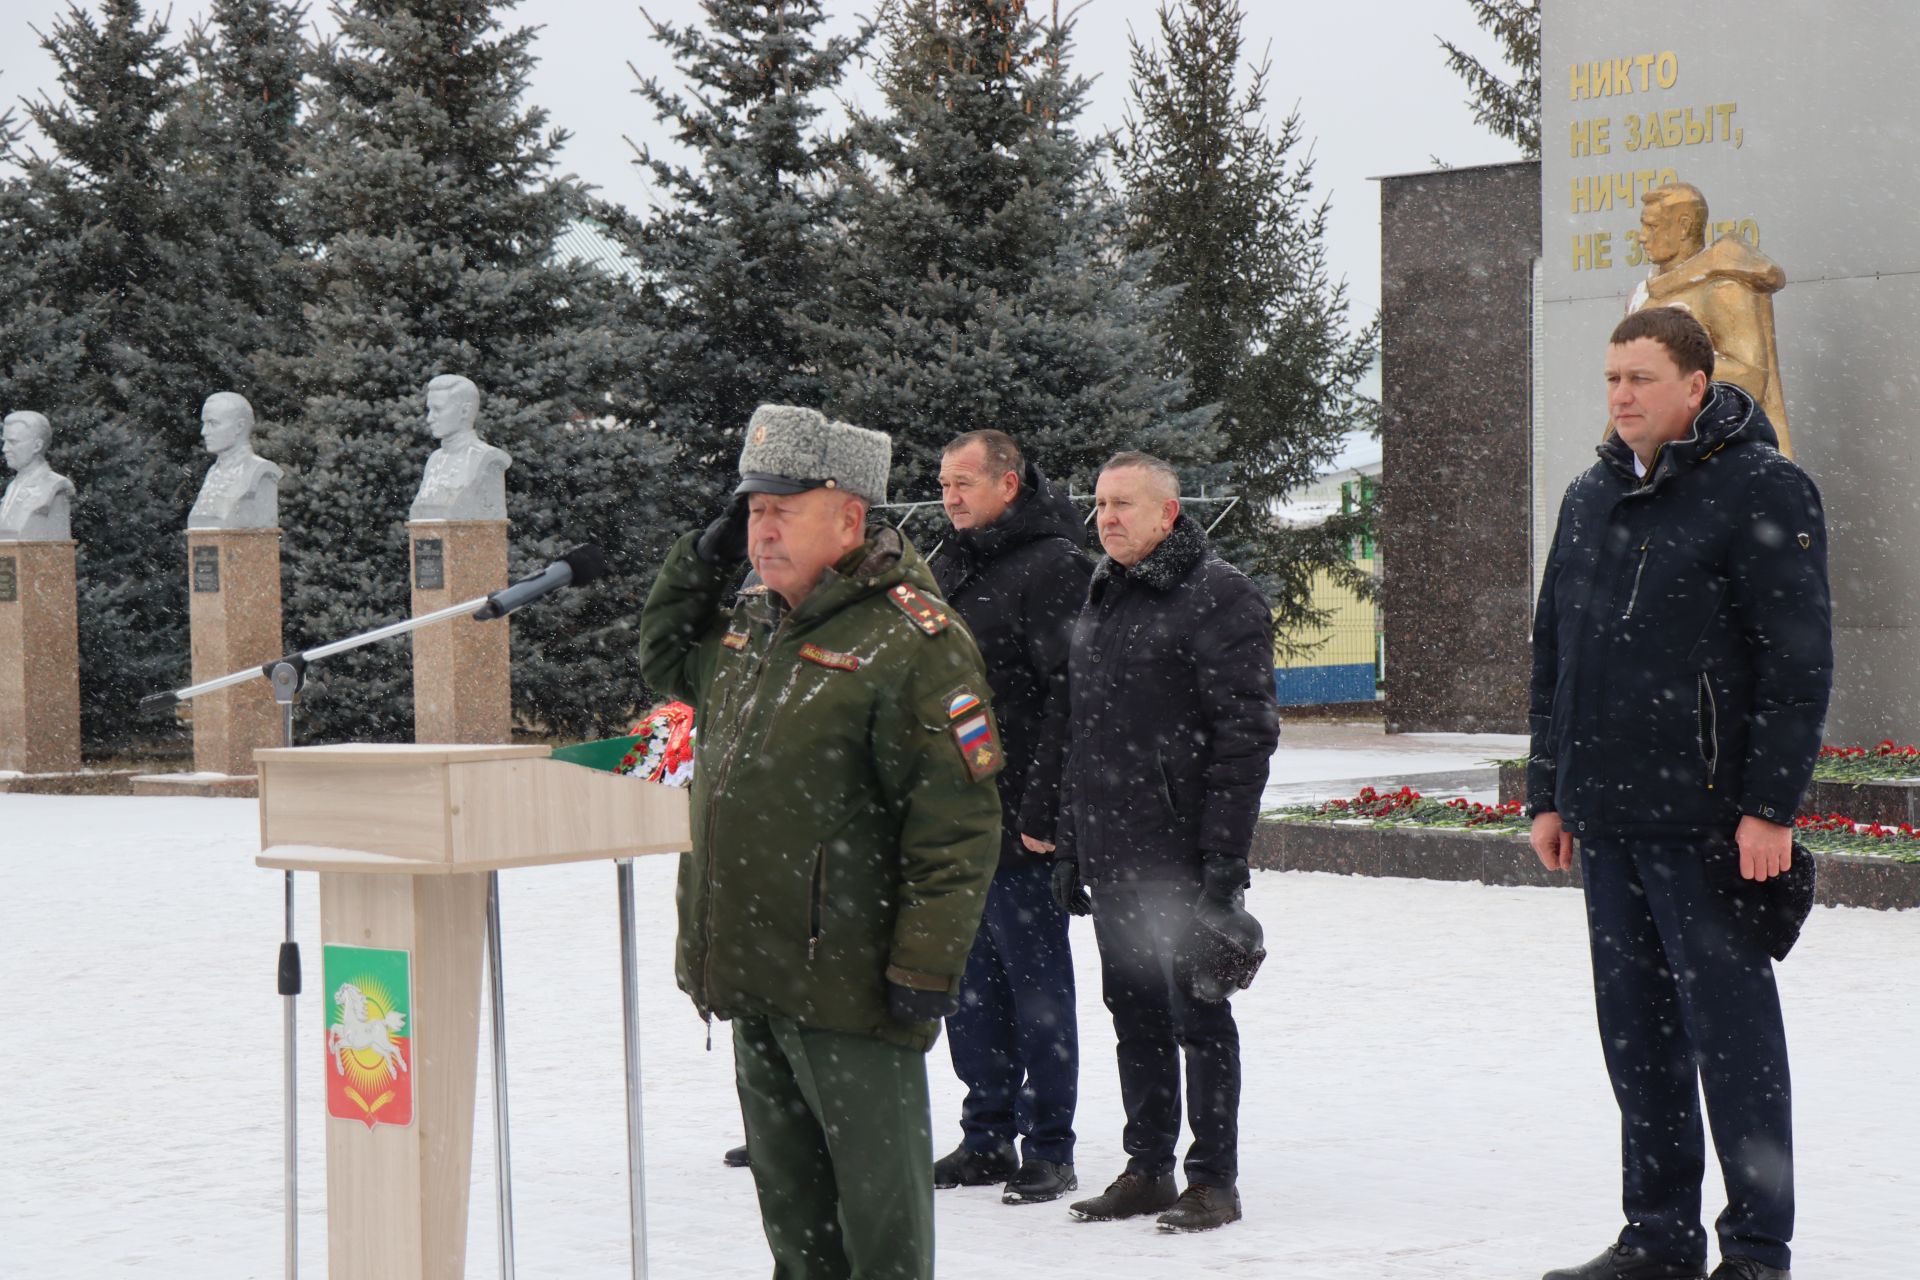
1013 568
1682 658
1174 725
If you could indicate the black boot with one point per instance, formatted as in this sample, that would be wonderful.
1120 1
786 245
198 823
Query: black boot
965 1168
1747 1269
1202 1208
735 1157
1038 1182
1620 1262
1129 1196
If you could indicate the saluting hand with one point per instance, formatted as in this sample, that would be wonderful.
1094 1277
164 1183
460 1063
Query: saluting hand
1766 848
1036 846
1551 841
725 540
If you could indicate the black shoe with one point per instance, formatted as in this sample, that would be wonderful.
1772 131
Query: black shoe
1202 1208
964 1168
1129 1196
1747 1269
1620 1262
735 1157
1038 1182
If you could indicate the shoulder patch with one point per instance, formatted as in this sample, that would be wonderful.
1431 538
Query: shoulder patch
979 745
828 658
961 701
924 613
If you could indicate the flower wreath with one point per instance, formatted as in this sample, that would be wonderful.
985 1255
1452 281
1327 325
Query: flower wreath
662 750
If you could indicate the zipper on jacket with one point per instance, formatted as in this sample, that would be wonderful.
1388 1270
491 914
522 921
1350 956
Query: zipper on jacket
1634 597
1709 713
816 901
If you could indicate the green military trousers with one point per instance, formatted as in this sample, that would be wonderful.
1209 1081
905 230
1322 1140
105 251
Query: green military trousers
842 1151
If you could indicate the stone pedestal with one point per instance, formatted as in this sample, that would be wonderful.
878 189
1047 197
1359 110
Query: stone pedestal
1456 586
462 675
234 607
39 658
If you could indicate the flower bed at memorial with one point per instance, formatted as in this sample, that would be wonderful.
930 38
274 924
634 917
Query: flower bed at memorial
1882 762
1837 833
1408 808
1823 833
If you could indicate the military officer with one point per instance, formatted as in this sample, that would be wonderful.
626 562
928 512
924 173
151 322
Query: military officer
845 828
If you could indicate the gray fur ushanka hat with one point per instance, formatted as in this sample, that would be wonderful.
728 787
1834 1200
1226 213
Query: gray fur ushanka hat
790 449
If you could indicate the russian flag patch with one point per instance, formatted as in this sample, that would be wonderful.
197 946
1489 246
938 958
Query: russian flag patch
972 730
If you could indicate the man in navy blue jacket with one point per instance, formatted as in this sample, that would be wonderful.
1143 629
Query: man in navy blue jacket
1682 659
1013 568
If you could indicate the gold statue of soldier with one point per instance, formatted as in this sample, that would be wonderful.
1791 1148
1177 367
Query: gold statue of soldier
1728 286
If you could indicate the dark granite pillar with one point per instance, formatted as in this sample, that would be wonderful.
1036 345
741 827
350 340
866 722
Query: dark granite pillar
1457 248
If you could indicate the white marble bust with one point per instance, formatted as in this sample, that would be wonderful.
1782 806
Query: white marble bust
38 504
466 477
242 489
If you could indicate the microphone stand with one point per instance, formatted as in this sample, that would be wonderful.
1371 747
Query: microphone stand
288 676
298 662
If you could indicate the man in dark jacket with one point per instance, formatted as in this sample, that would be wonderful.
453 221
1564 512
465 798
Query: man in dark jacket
1013 568
1174 725
1682 657
845 827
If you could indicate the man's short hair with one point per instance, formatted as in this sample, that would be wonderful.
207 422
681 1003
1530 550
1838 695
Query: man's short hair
1675 328
1003 455
1682 198
35 423
460 385
231 400
1159 468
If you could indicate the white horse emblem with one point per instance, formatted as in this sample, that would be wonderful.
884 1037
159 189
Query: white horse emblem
357 1033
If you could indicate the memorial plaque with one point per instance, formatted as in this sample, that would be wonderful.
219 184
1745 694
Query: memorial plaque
1786 170
206 569
9 580
429 565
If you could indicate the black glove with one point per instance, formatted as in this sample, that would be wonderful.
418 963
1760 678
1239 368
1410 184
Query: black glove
1067 889
1224 946
1223 882
725 540
911 1004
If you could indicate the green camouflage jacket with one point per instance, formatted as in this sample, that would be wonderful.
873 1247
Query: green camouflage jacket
845 820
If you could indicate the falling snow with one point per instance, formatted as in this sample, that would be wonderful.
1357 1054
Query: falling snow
1424 1092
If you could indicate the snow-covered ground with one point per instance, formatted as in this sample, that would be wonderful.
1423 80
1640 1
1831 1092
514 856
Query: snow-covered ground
1424 1094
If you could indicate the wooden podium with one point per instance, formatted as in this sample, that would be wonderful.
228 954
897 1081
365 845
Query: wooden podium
406 841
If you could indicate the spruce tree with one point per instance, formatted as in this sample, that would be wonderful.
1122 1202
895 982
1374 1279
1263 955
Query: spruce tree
983 282
1509 108
97 341
1224 206
737 252
239 125
429 193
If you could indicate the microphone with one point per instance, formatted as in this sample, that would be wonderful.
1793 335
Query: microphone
577 568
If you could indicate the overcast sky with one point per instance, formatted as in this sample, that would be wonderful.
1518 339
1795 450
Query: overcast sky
1368 75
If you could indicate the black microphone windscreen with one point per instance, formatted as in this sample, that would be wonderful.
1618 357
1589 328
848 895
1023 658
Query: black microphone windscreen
587 563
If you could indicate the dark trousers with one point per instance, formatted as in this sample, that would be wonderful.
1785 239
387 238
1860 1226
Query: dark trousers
1687 1004
1155 1024
838 1133
1015 1040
